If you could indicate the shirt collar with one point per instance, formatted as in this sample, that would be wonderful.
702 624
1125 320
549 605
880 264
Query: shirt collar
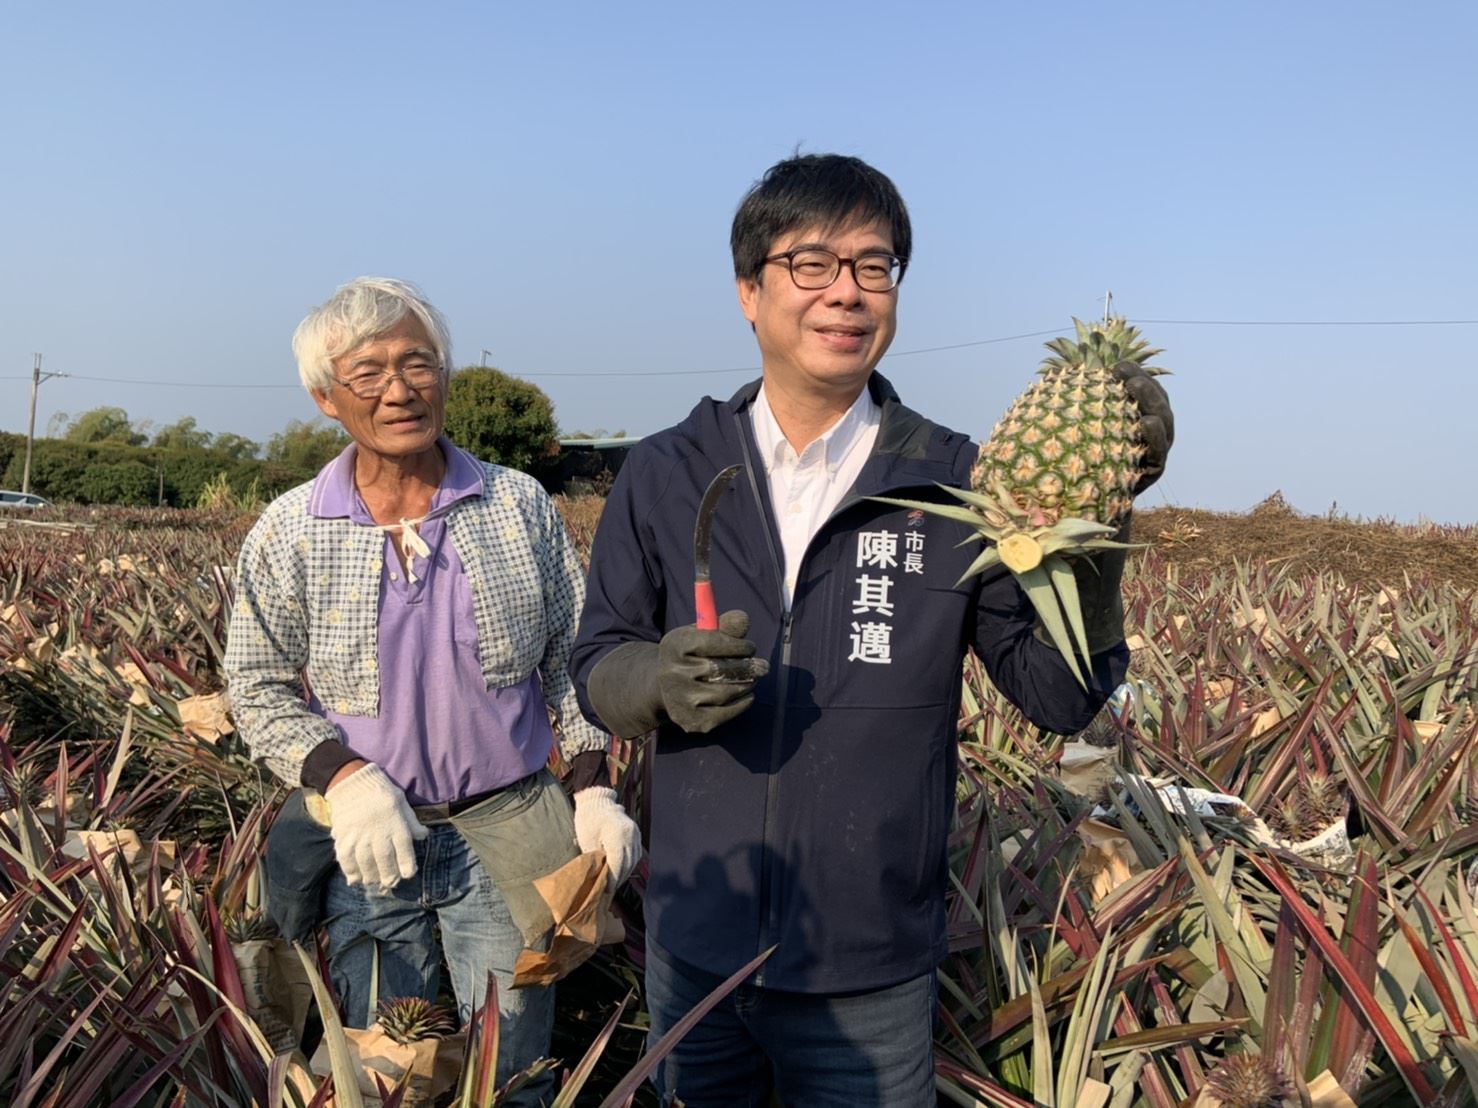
836 442
335 496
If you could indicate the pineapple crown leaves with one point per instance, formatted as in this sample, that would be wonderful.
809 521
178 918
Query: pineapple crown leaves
1101 345
243 927
1045 573
1249 1081
407 1019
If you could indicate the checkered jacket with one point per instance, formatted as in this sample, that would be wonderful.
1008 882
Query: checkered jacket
307 592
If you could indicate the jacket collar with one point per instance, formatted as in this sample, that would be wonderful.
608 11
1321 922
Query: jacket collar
910 450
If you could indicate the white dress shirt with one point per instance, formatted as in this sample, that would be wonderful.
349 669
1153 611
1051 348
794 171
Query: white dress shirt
805 488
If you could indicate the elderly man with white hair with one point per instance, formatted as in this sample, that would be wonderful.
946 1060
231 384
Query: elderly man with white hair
401 631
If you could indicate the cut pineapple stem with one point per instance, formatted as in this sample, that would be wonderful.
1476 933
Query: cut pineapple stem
1020 552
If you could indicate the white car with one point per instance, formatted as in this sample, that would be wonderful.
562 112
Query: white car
9 499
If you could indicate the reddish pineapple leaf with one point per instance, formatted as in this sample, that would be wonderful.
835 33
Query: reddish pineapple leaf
34 1081
1454 955
61 953
663 1046
1279 1006
482 1040
1348 979
227 978
576 1079
1456 758
1350 1042
1131 1035
989 1092
1191 1072
1435 976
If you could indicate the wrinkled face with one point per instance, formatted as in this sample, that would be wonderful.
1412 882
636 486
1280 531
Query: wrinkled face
821 342
403 421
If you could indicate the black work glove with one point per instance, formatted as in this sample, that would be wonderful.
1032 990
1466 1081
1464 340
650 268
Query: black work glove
1156 421
697 679
1099 596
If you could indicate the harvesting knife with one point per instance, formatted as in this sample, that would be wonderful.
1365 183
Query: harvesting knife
703 600
724 671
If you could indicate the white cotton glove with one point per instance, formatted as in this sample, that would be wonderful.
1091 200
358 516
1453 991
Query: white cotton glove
602 824
373 828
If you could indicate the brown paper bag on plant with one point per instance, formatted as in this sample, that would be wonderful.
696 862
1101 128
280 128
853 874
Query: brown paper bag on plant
433 1065
1108 858
277 991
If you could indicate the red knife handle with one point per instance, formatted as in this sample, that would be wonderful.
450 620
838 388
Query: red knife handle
703 602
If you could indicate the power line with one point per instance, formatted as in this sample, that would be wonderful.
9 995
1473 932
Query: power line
895 354
178 384
1313 322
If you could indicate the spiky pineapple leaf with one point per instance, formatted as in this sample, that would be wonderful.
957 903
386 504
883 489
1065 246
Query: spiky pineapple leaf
1037 584
1066 584
989 557
341 1063
948 511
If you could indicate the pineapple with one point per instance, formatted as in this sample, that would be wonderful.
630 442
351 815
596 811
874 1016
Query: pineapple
409 1019
245 927
1249 1081
1057 476
1323 800
21 785
1314 804
1069 446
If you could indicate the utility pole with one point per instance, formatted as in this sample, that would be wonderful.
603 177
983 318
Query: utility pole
36 378
486 356
1108 305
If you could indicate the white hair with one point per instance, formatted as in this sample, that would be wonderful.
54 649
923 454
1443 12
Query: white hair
357 312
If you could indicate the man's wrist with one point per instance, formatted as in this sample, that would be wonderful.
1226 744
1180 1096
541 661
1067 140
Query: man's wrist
587 769
322 765
624 689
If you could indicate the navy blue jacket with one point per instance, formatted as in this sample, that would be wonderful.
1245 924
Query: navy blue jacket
818 818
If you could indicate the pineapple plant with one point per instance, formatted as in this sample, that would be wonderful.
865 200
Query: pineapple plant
409 1019
1057 476
1314 804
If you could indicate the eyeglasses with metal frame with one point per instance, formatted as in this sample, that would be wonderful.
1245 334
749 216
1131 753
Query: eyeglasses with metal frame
814 268
416 375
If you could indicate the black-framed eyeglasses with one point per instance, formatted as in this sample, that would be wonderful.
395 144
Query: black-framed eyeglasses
369 386
812 268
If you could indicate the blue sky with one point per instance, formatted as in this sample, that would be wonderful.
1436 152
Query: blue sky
183 182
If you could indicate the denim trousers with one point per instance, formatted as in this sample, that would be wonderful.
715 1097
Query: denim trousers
871 1049
451 896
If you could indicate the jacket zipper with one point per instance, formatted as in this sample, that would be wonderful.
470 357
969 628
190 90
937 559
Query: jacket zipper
768 870
782 693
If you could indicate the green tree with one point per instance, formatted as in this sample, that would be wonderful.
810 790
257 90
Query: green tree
234 446
106 424
306 445
125 482
501 418
183 434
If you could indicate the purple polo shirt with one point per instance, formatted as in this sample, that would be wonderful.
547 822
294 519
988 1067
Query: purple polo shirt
441 734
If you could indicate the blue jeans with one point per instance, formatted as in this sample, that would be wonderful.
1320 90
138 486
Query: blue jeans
872 1049
452 891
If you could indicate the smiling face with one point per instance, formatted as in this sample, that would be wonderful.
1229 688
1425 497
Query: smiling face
403 422
821 343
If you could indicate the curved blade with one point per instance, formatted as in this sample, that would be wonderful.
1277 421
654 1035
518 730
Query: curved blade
703 601
704 527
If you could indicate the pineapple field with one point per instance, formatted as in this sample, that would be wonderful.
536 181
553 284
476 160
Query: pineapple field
1252 882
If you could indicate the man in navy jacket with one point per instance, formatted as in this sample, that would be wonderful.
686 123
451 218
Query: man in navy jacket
807 806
